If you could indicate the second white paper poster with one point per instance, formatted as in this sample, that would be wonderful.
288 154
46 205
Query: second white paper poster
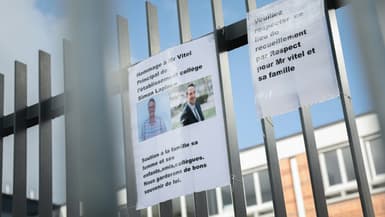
290 55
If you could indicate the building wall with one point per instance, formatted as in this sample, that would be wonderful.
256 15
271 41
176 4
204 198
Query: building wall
288 189
342 196
343 208
307 193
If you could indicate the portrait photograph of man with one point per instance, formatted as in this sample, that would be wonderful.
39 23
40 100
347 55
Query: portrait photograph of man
192 102
153 117
192 111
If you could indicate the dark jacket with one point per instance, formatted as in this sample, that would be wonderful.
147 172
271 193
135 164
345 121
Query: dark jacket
188 116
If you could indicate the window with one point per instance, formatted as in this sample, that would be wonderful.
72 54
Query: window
190 205
338 172
257 188
123 212
338 165
143 213
155 211
375 150
176 209
333 168
347 155
264 183
249 185
258 193
226 196
212 202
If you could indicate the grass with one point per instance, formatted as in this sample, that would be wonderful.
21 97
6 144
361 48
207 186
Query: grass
209 113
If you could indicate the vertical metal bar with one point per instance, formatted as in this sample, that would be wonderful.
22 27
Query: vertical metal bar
45 137
152 29
165 208
271 153
313 162
124 61
72 193
1 135
251 5
229 116
273 167
154 48
19 205
347 107
90 123
183 21
200 198
200 203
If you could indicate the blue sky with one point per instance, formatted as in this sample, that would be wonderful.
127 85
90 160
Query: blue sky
50 7
248 126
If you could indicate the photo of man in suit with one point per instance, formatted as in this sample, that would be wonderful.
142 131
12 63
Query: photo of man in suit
192 111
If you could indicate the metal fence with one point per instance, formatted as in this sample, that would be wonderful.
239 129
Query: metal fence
228 38
17 123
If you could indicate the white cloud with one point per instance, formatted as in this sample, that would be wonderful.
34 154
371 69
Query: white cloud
23 31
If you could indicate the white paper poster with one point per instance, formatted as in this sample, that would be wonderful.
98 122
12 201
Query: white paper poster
177 123
290 56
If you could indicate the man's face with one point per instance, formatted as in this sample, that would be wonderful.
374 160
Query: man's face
191 95
151 108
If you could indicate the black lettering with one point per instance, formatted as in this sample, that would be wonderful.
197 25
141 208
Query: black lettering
200 166
261 78
279 61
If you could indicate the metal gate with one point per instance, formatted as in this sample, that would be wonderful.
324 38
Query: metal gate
228 38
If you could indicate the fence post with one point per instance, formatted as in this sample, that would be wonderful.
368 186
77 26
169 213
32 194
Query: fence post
1 134
19 205
273 167
200 198
90 123
347 107
165 207
229 117
71 153
124 61
45 137
312 156
271 154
